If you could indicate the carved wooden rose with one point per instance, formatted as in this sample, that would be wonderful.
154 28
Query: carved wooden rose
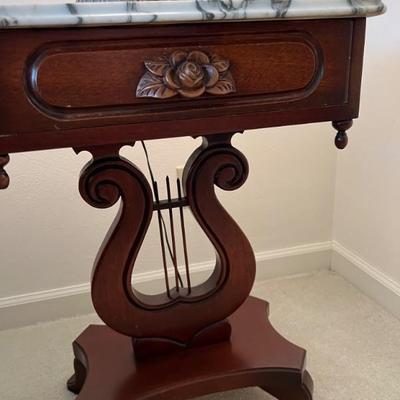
189 74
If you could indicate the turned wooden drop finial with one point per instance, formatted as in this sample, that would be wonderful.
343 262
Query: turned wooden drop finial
4 179
341 138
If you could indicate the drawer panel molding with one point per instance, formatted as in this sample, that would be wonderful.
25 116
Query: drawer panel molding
120 78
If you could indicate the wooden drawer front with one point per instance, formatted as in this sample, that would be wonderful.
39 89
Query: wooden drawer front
102 78
68 79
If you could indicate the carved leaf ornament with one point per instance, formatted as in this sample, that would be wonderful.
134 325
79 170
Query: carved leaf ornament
189 74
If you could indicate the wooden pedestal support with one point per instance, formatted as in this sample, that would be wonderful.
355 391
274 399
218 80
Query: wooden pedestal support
256 355
189 340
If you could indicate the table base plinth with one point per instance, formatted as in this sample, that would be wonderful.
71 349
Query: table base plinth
256 355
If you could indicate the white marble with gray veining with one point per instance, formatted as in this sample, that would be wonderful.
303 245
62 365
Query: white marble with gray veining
41 13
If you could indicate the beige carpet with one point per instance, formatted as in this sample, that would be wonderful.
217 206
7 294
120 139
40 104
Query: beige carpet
353 345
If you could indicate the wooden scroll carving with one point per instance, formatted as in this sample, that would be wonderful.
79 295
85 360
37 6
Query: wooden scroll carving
4 179
189 74
177 318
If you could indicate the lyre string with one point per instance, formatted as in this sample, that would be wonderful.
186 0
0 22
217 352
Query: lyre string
163 227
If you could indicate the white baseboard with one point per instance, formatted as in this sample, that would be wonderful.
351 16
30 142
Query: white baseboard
31 308
369 279
292 261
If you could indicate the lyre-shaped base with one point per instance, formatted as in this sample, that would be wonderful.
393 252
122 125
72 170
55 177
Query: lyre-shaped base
180 317
256 356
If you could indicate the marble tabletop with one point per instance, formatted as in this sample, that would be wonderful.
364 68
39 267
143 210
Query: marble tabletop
46 13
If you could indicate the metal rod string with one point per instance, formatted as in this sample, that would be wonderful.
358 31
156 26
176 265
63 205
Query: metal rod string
164 259
160 215
184 243
171 224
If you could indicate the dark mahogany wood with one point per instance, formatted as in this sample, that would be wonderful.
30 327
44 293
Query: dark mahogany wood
189 74
4 178
256 356
76 382
285 73
341 138
176 318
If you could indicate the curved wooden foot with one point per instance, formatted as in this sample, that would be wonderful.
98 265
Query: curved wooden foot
256 355
290 385
75 383
4 178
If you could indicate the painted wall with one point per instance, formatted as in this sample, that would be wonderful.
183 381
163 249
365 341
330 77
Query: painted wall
49 236
366 218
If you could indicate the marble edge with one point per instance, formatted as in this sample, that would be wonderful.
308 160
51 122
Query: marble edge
179 11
